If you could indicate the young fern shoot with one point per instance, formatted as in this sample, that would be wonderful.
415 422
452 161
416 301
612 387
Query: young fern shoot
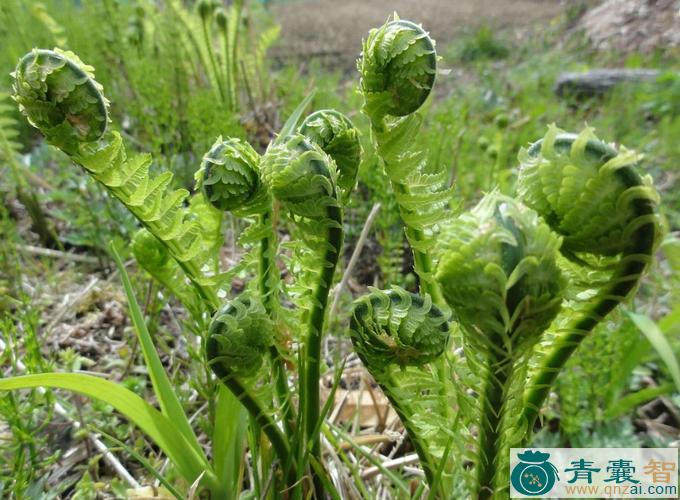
497 277
594 196
302 177
398 65
498 272
58 94
399 337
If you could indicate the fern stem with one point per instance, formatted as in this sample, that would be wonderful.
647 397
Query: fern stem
269 299
233 45
312 370
500 367
227 68
264 421
427 461
213 62
422 261
632 264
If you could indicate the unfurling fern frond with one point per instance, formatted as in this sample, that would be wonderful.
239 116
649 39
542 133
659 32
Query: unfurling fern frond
585 189
158 207
339 138
206 8
400 337
239 338
397 327
498 272
302 177
502 255
60 97
229 176
398 67
153 256
593 196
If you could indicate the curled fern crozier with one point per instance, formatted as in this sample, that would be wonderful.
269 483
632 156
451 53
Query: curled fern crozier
149 250
301 176
401 338
239 338
59 95
339 138
397 327
498 270
398 65
585 189
595 197
229 175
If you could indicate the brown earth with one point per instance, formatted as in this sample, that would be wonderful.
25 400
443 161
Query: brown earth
333 29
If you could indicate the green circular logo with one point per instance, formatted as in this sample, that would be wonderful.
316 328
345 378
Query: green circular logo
533 475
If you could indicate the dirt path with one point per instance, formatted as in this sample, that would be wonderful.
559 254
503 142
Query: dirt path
334 28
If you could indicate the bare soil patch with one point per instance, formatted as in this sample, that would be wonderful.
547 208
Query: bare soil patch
332 29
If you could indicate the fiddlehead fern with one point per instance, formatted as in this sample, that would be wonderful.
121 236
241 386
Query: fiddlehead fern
593 196
229 176
239 338
398 336
60 97
498 272
339 138
58 94
154 257
398 66
303 178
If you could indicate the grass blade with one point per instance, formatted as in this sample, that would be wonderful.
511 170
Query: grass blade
294 118
660 343
152 422
170 404
231 419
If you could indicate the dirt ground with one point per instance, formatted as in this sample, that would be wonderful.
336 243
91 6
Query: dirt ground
332 28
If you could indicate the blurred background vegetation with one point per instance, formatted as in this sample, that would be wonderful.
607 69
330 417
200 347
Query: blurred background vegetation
177 79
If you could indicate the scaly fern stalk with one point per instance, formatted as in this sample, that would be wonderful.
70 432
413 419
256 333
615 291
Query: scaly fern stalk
398 65
593 195
504 257
268 287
